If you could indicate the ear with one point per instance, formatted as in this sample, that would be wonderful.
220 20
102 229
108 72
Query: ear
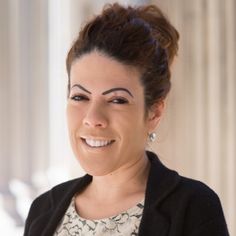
154 115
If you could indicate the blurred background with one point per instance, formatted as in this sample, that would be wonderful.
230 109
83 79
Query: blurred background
197 136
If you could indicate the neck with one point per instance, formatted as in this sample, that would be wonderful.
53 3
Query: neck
130 179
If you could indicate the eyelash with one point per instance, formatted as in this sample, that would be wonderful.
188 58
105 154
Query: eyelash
79 98
119 101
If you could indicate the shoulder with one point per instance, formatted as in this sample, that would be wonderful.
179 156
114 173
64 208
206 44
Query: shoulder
165 183
186 194
202 208
54 201
187 203
52 196
196 206
194 187
61 191
49 199
199 197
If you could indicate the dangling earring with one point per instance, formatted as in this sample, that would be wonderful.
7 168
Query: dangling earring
152 136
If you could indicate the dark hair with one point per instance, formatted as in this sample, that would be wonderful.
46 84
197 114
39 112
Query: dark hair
141 37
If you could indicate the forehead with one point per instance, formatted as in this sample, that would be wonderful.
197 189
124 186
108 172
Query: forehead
96 69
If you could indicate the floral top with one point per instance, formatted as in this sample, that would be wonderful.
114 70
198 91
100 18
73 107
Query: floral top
124 224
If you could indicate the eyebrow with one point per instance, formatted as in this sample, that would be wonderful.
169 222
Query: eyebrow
106 92
81 87
117 89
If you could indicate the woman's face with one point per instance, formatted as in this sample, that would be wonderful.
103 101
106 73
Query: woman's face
106 114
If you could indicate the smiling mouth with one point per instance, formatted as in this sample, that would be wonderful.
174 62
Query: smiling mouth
95 143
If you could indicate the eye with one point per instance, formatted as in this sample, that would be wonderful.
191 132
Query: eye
119 101
79 98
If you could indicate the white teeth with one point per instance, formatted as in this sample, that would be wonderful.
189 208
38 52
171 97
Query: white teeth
97 143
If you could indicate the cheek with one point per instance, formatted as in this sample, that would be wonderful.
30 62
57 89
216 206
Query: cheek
133 126
73 118
73 124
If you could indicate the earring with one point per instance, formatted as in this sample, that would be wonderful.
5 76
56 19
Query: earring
152 136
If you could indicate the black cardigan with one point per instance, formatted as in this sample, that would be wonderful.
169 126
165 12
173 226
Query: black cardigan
174 206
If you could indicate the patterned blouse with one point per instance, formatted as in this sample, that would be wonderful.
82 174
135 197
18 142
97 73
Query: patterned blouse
124 224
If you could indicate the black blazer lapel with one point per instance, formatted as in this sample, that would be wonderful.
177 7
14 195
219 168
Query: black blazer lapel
161 182
153 223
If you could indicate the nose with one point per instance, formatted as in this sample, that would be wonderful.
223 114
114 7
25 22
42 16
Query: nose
95 117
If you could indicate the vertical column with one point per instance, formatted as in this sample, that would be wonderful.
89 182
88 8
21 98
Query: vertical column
28 88
4 98
58 37
18 116
37 80
230 116
214 95
198 79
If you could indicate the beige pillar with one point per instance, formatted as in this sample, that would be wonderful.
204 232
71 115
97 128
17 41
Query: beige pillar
4 98
28 91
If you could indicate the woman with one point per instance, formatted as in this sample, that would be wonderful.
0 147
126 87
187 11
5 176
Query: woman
119 77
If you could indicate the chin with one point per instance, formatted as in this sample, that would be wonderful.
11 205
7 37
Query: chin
95 169
96 172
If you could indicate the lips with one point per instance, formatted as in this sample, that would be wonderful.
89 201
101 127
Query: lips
97 143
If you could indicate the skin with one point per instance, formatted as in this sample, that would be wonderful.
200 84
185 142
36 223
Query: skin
106 103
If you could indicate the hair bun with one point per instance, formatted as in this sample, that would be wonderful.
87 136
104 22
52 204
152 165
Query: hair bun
162 31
